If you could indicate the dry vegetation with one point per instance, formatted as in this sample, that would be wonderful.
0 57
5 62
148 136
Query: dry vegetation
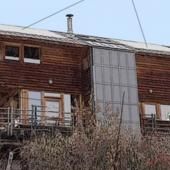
97 148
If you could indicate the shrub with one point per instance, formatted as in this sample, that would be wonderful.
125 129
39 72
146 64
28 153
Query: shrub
98 147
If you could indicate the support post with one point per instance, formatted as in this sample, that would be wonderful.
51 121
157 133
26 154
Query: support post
10 159
8 126
12 121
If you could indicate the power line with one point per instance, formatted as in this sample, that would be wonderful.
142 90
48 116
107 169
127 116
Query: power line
55 13
139 22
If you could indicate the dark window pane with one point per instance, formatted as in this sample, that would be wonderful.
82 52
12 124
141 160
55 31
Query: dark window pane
31 52
12 51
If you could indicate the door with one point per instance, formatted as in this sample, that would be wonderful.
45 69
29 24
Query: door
53 111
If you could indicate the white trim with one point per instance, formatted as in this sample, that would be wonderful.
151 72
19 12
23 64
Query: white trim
52 95
35 61
12 58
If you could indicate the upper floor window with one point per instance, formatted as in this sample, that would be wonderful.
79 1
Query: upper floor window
32 54
11 52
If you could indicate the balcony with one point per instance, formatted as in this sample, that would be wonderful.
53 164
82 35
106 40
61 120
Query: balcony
16 125
150 124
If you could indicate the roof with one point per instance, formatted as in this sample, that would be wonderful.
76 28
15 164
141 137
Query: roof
59 37
34 33
101 42
150 47
93 41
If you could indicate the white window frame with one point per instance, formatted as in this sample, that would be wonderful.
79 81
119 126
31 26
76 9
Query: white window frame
146 114
168 116
31 60
11 57
34 61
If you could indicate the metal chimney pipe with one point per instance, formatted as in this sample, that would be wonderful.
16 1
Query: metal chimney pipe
69 23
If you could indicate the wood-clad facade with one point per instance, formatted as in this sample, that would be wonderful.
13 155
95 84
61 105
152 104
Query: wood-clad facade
153 74
59 73
42 91
60 63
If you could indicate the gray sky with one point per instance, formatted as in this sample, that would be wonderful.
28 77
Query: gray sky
108 18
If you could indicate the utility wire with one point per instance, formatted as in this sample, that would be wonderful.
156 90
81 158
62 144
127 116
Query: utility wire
55 13
139 22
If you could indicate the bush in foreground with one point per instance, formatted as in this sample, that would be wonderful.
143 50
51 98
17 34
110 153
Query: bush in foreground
107 147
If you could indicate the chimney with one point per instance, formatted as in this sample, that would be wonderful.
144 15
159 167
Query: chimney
69 23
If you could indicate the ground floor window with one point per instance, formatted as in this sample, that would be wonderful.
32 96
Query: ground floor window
165 112
150 109
45 108
160 111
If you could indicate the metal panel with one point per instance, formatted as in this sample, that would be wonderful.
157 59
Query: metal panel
98 71
123 77
99 89
132 79
106 57
133 96
114 58
122 90
131 60
123 59
107 75
97 56
116 94
107 93
118 75
115 76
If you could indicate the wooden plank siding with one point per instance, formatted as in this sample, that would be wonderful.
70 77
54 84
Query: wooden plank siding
153 73
61 63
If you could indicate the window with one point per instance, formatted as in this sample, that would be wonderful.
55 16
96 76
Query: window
34 100
12 52
45 108
150 109
161 111
53 108
165 112
32 54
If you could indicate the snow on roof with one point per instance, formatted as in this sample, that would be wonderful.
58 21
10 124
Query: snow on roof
141 46
29 31
93 41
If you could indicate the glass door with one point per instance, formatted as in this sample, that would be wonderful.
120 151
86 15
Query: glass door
53 111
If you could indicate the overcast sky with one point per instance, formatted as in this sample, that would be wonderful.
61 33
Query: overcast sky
108 18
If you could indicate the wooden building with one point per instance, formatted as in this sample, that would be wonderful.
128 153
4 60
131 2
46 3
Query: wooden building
41 77
153 85
45 74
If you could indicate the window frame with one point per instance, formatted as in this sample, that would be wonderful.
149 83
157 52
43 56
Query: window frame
144 109
161 112
12 58
158 109
24 102
29 60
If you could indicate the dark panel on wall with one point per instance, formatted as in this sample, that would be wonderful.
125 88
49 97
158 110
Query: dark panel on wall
153 74
86 77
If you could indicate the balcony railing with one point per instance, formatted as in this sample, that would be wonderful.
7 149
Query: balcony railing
150 124
36 119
